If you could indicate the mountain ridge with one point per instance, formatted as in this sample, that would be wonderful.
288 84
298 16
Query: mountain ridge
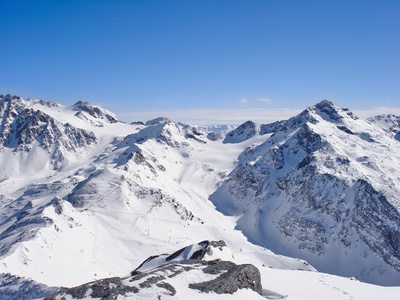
321 186
296 165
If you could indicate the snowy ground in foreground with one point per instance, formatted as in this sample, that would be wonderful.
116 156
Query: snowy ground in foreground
315 285
279 284
293 285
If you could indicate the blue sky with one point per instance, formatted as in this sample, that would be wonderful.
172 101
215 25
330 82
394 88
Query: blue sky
203 61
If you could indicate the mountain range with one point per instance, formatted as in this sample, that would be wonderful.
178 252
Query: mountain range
85 196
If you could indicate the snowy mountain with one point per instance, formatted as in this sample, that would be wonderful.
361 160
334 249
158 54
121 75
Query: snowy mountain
84 196
220 129
325 187
30 132
83 108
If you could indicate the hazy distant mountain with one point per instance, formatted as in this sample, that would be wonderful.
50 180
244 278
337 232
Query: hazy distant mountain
84 196
221 129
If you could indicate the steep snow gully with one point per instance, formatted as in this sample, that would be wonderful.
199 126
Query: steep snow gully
85 197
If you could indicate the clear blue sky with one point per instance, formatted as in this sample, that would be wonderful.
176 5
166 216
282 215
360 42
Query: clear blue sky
207 56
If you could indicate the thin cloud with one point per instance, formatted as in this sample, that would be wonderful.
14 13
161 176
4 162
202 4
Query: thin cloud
264 100
216 116
237 116
243 100
381 110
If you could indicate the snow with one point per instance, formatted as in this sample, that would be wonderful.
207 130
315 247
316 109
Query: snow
295 193
314 285
116 208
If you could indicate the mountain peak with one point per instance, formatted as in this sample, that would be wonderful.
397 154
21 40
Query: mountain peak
158 120
95 111
243 132
10 98
324 110
81 102
329 112
324 103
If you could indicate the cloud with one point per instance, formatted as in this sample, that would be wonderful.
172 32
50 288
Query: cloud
381 110
243 100
264 100
260 115
216 116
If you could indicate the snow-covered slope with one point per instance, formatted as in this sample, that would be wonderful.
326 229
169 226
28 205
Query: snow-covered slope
31 134
118 193
324 187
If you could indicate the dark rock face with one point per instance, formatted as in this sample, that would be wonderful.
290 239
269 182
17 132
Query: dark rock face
95 111
21 127
218 244
233 278
242 133
107 289
371 211
19 288
214 136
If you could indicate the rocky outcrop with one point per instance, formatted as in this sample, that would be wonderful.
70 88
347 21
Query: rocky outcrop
19 288
232 278
242 133
109 288
94 111
158 273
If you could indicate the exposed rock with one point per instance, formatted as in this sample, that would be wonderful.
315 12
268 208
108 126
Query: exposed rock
21 127
242 133
316 186
214 136
218 244
159 120
107 289
233 277
137 123
94 111
11 287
